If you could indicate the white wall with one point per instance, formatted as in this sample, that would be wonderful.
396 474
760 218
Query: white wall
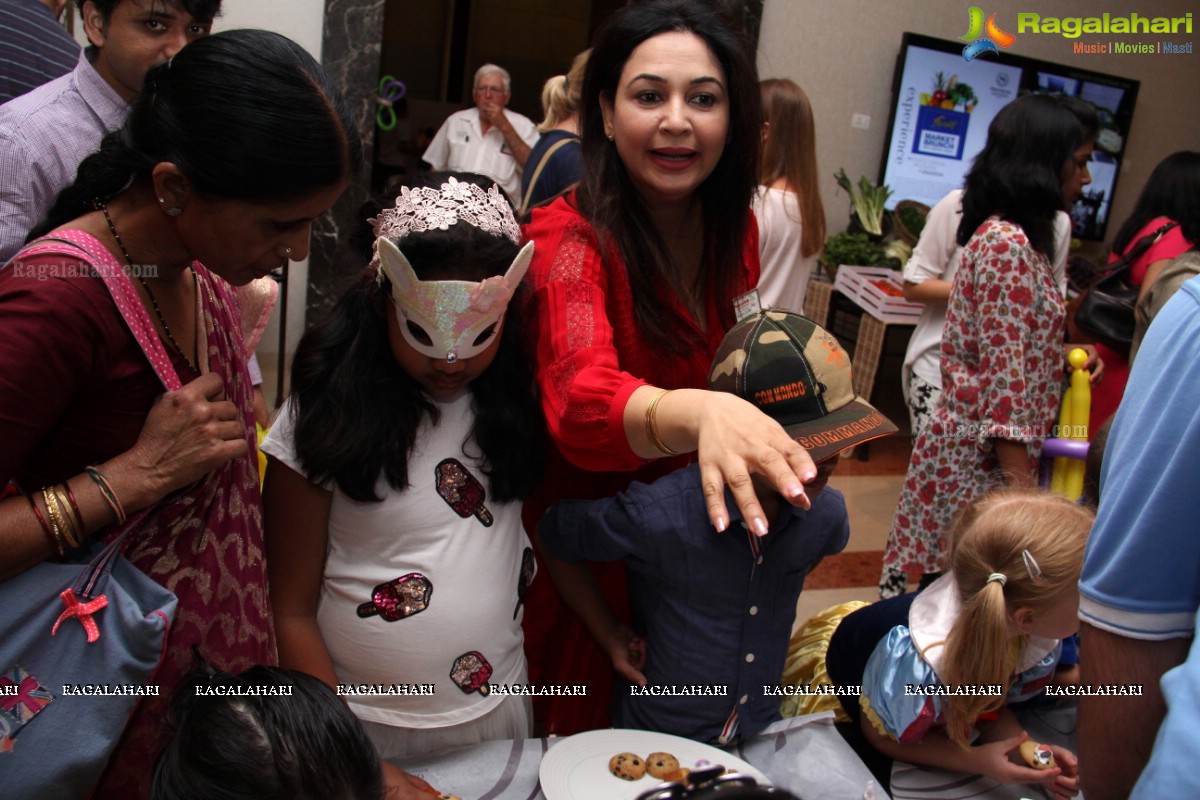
301 20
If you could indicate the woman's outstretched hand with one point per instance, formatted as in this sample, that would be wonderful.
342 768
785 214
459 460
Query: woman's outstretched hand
735 441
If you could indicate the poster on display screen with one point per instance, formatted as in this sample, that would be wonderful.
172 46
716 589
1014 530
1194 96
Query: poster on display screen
942 107
945 107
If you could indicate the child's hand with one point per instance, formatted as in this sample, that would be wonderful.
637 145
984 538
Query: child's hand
402 786
1094 362
1066 784
628 653
998 761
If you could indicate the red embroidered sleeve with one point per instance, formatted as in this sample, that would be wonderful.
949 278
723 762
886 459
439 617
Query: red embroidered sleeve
584 390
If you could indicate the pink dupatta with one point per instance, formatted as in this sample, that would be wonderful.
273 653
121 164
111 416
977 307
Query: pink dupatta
204 542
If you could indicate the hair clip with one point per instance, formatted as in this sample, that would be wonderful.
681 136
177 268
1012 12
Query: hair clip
1031 566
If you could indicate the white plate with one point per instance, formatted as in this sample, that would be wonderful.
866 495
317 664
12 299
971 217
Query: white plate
577 767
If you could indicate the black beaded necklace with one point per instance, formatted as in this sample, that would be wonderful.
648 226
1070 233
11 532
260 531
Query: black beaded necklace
133 271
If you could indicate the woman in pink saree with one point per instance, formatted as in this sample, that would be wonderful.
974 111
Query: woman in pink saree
125 401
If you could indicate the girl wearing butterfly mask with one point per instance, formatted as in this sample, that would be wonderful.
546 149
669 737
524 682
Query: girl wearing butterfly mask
396 554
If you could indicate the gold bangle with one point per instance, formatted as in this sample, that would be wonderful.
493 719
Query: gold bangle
652 425
72 524
59 542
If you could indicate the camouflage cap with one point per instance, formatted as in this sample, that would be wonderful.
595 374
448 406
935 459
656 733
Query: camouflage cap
797 373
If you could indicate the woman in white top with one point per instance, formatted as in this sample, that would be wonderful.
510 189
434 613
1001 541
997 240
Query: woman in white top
791 218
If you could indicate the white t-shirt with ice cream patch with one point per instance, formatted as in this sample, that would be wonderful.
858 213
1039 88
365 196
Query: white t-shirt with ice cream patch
464 573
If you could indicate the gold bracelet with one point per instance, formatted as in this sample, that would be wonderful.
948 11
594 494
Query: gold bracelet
72 525
63 523
59 542
652 425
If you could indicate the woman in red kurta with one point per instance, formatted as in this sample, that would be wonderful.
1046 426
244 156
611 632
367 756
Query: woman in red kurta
634 281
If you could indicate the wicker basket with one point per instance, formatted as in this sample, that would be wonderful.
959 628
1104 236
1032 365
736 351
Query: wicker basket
902 230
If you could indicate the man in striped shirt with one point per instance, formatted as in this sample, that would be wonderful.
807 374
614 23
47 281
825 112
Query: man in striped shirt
34 47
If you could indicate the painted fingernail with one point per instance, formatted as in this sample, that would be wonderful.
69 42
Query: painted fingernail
795 490
760 527
721 525
806 502
808 475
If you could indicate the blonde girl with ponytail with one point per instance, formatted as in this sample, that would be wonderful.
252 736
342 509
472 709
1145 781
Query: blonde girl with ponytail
938 669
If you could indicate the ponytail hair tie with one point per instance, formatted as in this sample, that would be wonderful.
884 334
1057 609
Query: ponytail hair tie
997 576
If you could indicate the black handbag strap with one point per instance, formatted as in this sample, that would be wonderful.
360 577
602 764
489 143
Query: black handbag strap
1134 253
91 581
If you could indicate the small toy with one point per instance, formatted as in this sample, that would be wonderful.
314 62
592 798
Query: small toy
1038 756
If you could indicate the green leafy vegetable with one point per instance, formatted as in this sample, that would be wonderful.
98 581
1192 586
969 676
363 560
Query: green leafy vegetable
912 219
868 202
855 249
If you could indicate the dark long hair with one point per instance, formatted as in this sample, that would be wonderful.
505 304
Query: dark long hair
357 411
608 198
1173 191
1019 173
245 115
295 741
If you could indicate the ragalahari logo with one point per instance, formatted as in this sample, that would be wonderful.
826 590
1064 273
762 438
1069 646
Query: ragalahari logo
992 38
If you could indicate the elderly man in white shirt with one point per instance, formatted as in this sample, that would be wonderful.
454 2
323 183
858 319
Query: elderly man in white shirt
486 139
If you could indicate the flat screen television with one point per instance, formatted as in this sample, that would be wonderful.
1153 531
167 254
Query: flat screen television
942 106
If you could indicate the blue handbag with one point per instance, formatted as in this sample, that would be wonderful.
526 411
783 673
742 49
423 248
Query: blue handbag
79 646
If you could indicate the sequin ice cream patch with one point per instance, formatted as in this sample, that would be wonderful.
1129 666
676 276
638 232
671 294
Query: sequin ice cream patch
405 596
462 491
471 672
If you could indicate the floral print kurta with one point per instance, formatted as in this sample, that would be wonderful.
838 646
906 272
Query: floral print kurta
1002 370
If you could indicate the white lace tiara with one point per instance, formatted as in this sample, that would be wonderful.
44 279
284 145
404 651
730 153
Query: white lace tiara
424 208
